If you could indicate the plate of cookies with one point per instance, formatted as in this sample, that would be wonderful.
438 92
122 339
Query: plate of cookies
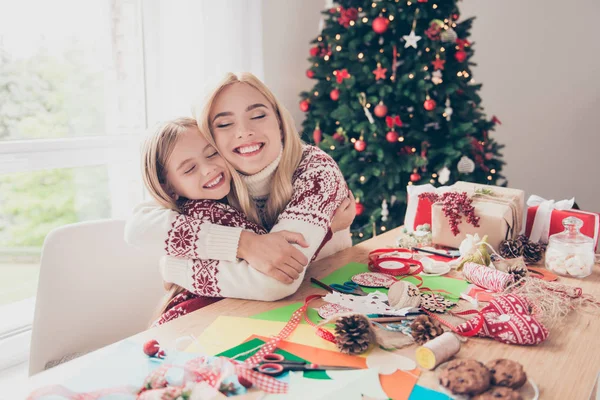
468 379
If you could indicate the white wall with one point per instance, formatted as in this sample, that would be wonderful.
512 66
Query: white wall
539 62
289 26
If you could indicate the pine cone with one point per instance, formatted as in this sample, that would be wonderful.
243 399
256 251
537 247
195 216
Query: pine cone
425 328
533 252
353 334
518 271
511 248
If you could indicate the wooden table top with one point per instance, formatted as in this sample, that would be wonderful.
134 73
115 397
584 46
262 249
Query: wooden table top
563 367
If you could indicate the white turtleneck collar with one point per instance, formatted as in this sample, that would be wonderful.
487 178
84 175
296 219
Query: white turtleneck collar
259 184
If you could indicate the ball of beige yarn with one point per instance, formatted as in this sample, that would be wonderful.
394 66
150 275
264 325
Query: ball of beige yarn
404 295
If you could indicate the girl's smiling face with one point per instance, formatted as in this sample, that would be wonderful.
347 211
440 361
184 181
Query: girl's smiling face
195 170
245 128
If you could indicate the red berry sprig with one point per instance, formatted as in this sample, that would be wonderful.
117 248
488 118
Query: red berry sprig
454 206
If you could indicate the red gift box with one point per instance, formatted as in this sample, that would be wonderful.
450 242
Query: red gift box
590 228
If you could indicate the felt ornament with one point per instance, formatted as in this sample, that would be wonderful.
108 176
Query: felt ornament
508 319
404 295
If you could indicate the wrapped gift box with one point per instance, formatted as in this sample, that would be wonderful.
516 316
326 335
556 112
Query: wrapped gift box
549 216
500 211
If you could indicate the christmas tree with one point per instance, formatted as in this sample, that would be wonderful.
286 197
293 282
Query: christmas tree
395 104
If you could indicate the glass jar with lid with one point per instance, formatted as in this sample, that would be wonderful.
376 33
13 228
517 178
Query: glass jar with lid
570 252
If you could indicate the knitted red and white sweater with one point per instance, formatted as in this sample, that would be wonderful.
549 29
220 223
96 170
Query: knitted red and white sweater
202 247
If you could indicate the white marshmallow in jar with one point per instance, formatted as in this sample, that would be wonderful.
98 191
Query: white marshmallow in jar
570 253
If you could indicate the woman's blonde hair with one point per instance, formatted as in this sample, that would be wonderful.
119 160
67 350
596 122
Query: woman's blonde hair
281 186
156 152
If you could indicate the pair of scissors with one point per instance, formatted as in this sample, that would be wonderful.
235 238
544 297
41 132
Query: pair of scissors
276 364
349 288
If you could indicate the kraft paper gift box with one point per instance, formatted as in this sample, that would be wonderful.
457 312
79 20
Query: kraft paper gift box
500 211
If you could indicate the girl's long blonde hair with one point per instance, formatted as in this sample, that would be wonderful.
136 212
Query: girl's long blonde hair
281 186
156 152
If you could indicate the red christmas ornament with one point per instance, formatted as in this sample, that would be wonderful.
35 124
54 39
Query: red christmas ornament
391 136
489 156
317 135
310 73
314 51
455 16
304 105
429 104
495 120
360 208
379 72
340 75
438 63
151 347
338 137
415 177
380 24
460 56
422 1
347 15
334 94
380 110
360 145
161 354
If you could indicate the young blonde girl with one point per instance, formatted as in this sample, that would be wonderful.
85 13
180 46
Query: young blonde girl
184 173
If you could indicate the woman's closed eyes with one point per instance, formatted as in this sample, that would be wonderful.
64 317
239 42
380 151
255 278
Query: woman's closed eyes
227 124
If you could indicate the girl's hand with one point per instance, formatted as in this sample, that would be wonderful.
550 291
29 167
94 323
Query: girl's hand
273 255
344 215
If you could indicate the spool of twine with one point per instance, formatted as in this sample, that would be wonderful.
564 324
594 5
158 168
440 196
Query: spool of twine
487 278
437 351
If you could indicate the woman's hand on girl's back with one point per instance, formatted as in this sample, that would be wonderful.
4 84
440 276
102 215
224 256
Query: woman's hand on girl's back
273 254
344 215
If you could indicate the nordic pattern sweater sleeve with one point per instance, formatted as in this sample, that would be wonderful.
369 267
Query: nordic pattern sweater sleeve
214 278
186 235
319 189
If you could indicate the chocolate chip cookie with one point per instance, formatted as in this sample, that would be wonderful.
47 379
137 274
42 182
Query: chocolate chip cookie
507 373
465 377
499 392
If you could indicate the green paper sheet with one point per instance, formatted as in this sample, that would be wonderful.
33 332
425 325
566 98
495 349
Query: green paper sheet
254 343
284 314
454 286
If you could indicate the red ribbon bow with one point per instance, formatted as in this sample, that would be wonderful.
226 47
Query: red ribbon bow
393 120
341 75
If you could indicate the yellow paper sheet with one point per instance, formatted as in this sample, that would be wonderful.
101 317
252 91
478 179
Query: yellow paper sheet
227 332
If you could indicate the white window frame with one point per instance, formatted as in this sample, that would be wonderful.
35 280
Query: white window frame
117 147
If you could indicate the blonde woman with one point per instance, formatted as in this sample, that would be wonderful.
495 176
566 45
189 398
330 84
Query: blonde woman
293 187
184 173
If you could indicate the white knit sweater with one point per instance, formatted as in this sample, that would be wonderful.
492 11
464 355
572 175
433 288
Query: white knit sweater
201 244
